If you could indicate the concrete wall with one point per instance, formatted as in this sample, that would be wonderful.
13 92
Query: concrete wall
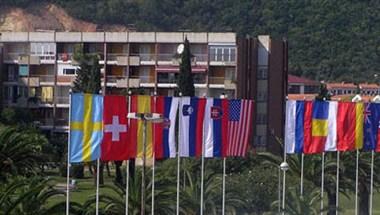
118 37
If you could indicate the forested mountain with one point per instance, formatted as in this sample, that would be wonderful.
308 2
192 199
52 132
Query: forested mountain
328 40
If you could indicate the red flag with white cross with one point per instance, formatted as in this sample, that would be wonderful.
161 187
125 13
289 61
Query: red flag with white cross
116 144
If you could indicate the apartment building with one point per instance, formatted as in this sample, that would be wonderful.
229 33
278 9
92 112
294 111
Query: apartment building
38 68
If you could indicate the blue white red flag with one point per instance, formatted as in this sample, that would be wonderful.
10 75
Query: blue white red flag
191 126
216 127
164 133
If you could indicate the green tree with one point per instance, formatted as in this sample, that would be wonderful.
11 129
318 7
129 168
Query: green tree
185 82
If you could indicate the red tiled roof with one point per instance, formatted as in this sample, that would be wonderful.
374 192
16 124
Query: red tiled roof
310 97
301 80
341 85
369 86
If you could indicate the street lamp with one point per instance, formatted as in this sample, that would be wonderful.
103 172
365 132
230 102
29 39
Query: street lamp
145 117
284 167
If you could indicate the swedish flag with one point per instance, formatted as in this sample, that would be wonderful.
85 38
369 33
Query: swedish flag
86 115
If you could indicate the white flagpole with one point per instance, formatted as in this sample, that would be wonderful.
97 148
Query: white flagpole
97 185
127 176
68 164
322 181
283 182
371 186
154 157
178 160
127 189
153 175
337 183
224 186
302 162
356 181
202 180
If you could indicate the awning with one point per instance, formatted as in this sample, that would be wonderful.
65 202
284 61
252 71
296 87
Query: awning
174 69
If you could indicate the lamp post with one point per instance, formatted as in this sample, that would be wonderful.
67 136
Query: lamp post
284 167
145 117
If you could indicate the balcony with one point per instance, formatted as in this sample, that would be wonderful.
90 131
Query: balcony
145 81
200 59
122 59
44 58
146 58
65 80
44 79
65 57
63 101
12 57
221 82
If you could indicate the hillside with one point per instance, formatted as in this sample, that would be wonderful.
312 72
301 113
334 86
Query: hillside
46 17
328 40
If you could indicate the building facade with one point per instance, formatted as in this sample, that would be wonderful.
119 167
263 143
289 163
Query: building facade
38 68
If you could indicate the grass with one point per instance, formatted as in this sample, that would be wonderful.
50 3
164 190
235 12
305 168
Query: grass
86 188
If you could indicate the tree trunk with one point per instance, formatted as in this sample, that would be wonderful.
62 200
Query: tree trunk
363 199
331 197
101 170
118 175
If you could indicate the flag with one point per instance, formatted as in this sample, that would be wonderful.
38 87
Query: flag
239 126
216 127
331 123
115 145
316 119
164 133
294 126
86 114
140 104
350 126
191 126
371 126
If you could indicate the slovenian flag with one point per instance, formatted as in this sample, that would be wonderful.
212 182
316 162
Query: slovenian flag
164 133
191 118
216 127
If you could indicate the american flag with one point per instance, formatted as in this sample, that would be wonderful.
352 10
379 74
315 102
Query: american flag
239 126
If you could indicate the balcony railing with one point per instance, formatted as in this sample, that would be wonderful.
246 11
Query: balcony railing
216 80
200 57
43 78
65 56
61 122
114 56
13 56
62 99
114 78
144 79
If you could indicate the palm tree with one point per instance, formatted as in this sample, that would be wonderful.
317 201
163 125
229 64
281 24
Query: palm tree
20 151
31 196
300 205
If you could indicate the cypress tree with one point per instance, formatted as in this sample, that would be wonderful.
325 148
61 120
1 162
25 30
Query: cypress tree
323 93
185 80
88 75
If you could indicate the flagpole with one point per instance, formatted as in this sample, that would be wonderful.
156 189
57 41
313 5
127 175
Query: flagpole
127 189
202 179
337 183
97 185
202 172
153 174
127 176
302 164
322 181
224 186
68 163
154 157
143 169
371 186
356 181
178 164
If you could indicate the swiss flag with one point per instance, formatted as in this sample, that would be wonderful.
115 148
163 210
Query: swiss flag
115 145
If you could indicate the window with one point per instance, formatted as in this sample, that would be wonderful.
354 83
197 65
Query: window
261 119
42 49
262 96
222 53
12 73
69 71
262 73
